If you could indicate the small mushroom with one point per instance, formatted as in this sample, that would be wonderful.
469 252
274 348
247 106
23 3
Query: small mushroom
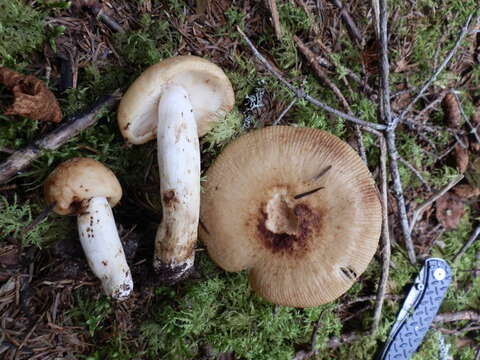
176 101
295 207
87 188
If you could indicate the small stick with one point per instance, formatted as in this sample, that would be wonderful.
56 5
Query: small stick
386 114
451 53
467 245
386 247
97 10
310 56
43 214
301 94
20 159
352 29
415 172
457 316
272 6
419 211
285 111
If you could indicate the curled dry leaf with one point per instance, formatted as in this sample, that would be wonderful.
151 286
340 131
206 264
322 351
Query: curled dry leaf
449 211
32 98
466 191
453 117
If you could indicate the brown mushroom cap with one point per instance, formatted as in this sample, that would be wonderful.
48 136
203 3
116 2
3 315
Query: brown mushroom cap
295 207
208 87
79 179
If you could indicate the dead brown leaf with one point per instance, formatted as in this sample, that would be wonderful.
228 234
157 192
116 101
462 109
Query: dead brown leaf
452 111
449 211
32 98
466 191
462 156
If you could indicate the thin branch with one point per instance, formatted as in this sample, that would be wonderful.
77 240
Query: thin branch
352 28
415 172
285 111
419 211
467 245
310 56
272 6
301 94
457 316
433 78
386 113
20 159
43 214
386 247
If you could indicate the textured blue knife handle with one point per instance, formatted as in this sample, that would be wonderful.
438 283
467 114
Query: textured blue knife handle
413 330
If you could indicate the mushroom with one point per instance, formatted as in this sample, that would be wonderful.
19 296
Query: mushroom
87 188
176 101
295 207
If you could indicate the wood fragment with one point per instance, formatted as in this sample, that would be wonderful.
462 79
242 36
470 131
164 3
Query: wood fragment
20 159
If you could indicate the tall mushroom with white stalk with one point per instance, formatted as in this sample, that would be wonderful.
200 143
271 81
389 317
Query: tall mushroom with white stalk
87 188
176 101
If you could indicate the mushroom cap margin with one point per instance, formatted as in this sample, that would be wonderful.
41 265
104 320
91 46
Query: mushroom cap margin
343 218
209 89
79 179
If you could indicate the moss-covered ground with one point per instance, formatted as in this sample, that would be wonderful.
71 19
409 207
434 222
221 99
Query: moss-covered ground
214 312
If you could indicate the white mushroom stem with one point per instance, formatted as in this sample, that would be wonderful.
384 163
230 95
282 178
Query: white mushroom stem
179 166
103 249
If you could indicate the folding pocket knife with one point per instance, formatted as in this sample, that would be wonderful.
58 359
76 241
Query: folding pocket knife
418 310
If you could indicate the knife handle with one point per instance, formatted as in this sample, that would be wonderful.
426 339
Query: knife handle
411 333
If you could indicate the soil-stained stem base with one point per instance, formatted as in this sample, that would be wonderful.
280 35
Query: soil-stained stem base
103 249
179 166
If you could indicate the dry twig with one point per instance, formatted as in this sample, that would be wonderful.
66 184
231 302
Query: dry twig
386 249
272 6
352 28
310 56
20 159
457 316
467 245
464 31
419 211
301 94
386 114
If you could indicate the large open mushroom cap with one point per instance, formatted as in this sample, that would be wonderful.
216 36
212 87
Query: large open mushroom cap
80 179
295 207
208 88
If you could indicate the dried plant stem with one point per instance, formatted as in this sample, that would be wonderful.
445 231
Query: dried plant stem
272 6
464 31
457 316
386 247
20 159
301 94
352 29
415 172
467 245
310 56
386 114
419 211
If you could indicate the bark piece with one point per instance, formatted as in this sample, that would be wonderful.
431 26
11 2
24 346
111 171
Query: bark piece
32 98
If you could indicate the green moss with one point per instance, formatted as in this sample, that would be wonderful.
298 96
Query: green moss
15 217
223 312
21 31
